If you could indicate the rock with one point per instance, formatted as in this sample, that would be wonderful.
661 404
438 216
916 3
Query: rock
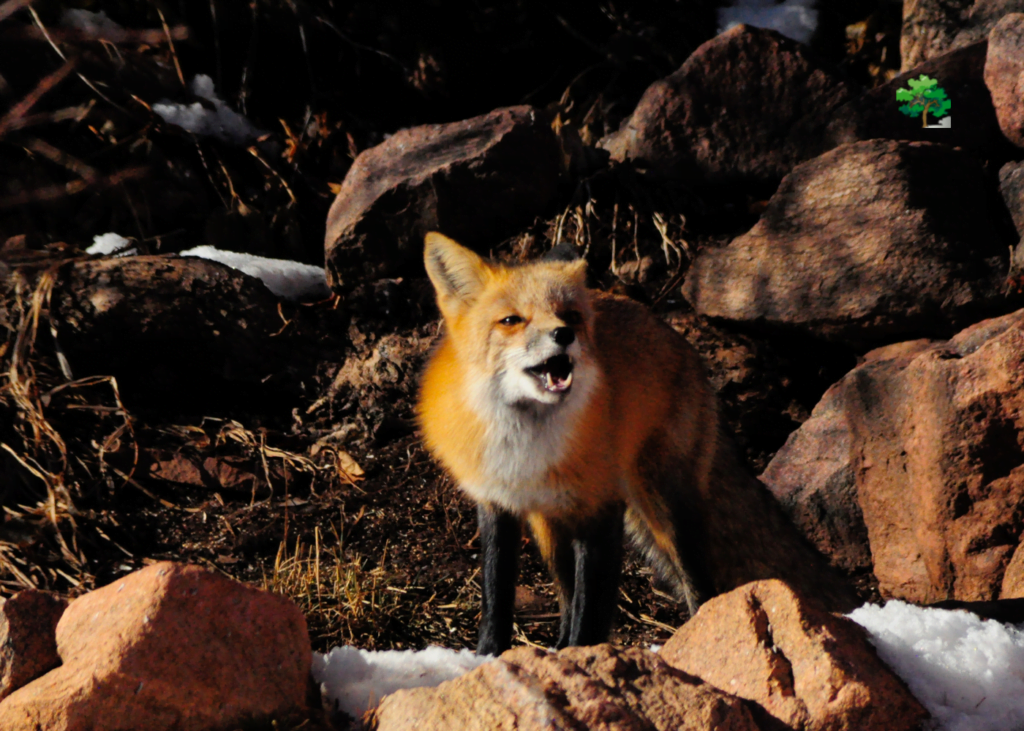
983 17
813 479
1011 185
1013 579
803 666
875 114
1004 75
477 180
169 647
597 688
183 333
929 28
934 434
745 108
940 464
28 645
869 242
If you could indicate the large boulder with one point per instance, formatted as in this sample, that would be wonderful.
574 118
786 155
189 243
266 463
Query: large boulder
745 108
982 17
876 114
180 333
807 668
1004 75
934 438
28 645
478 180
600 688
872 241
169 647
933 27
1011 185
929 28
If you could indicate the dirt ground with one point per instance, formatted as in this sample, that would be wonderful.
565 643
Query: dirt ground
328 496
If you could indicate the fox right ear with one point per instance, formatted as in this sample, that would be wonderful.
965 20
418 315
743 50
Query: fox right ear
456 272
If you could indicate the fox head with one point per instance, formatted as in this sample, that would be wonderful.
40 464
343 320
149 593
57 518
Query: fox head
524 334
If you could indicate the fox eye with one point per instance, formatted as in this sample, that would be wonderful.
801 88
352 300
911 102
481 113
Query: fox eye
510 320
572 317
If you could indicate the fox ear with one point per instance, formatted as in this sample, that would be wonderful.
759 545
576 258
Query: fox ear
456 272
578 269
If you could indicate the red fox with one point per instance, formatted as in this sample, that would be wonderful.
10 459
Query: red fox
581 413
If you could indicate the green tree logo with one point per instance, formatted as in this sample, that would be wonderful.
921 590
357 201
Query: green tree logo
924 96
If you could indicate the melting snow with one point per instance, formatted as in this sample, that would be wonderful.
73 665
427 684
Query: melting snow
93 24
967 671
288 279
796 19
356 680
111 244
221 122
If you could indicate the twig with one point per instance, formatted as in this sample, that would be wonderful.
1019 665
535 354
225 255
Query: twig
21 108
12 6
62 158
170 41
120 36
49 39
256 153
55 192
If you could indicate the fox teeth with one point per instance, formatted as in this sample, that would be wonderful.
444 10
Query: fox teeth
549 382
568 380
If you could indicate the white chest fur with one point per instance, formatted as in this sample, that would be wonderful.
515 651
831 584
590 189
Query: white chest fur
524 445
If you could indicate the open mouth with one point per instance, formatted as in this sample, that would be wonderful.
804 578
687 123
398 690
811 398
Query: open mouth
554 374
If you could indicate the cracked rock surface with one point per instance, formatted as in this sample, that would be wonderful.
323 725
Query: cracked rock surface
801 665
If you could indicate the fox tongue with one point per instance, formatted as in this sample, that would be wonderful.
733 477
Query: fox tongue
557 384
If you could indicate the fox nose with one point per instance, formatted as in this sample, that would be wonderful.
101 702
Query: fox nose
564 336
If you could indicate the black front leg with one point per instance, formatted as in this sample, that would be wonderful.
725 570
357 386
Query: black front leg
598 553
499 537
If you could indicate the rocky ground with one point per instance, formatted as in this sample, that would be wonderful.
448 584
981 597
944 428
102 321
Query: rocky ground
849 276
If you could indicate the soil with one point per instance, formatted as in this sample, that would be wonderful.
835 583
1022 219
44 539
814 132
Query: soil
333 500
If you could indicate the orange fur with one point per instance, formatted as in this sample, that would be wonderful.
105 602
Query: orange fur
641 432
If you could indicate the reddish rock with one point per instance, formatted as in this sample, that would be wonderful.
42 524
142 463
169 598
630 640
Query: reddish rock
982 17
813 478
1004 75
869 242
929 28
599 688
1013 578
805 667
939 454
813 481
746 107
875 114
935 436
478 180
169 647
28 645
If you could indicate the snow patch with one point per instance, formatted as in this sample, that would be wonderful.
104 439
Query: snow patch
88 22
289 279
796 19
967 671
355 680
222 122
111 244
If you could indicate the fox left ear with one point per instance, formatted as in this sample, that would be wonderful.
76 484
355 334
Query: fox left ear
457 273
578 270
